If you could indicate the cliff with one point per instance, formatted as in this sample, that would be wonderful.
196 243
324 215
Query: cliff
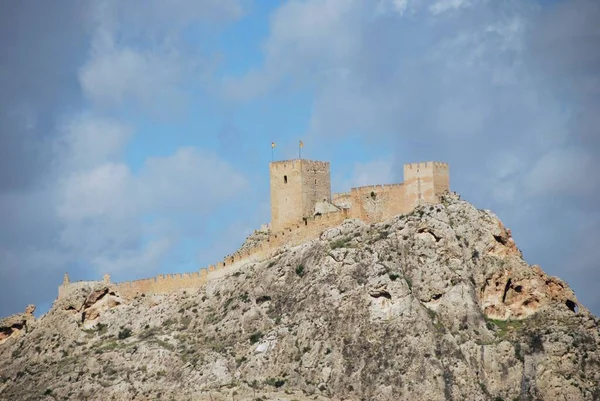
434 305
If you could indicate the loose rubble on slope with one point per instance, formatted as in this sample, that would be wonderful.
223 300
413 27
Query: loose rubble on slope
434 305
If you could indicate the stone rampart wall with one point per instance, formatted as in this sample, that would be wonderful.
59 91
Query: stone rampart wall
305 230
373 203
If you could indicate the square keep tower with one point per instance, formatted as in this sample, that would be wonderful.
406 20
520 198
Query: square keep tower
425 182
296 186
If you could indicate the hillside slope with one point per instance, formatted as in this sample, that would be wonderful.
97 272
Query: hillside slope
435 305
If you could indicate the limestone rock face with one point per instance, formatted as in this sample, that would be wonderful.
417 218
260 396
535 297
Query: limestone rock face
435 305
14 325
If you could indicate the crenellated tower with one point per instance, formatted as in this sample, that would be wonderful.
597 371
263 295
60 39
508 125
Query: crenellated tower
425 182
296 187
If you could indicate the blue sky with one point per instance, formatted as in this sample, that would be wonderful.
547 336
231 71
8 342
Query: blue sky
136 136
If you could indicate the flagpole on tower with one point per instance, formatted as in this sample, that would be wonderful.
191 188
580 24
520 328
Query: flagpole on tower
272 147
300 146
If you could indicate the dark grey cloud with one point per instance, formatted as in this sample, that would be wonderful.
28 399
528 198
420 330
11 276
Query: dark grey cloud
41 44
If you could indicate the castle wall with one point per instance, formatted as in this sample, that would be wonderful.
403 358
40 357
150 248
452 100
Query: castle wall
342 200
296 234
307 229
424 182
377 202
162 284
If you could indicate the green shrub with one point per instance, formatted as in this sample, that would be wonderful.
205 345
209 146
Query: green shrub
125 333
275 382
263 298
254 338
300 270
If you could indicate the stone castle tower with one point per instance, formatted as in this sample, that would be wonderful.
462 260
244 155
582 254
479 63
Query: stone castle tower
424 182
296 187
302 188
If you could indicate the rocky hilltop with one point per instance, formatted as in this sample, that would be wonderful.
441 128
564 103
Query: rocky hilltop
435 305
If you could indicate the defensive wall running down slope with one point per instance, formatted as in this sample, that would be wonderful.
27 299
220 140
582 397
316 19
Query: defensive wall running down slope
299 186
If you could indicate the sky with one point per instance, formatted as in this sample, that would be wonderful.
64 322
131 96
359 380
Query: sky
135 136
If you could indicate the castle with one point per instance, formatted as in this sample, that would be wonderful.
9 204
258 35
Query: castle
302 207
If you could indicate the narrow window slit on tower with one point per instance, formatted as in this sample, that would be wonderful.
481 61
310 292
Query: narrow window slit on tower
285 179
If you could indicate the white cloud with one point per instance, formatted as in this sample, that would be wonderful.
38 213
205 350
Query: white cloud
442 6
116 76
134 261
89 140
105 190
307 39
190 180
400 6
103 207
139 57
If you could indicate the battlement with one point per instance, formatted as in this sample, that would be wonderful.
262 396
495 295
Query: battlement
376 188
296 163
298 188
440 165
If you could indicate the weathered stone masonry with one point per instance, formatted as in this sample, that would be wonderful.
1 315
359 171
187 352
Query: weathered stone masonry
302 207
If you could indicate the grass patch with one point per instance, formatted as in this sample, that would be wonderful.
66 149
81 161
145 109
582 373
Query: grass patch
164 344
503 327
149 332
339 243
99 329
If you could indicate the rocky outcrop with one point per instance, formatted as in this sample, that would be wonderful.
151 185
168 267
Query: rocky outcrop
12 326
89 304
435 305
